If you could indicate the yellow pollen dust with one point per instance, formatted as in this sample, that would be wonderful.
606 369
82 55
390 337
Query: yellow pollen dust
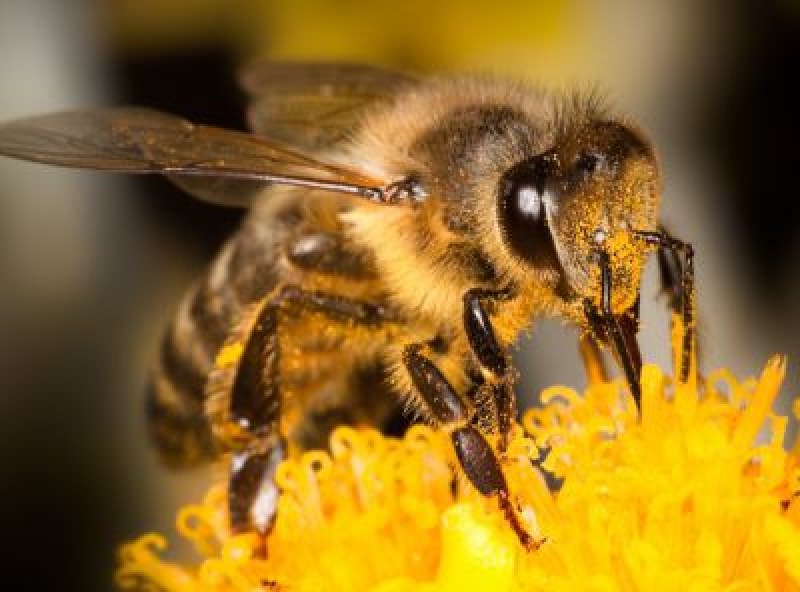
229 355
699 493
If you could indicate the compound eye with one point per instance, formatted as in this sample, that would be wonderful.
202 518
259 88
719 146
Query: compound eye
526 193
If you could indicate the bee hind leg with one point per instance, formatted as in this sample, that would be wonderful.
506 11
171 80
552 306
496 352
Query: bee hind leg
249 392
475 455
248 418
253 494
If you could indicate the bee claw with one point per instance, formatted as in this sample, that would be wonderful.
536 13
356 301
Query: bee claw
527 540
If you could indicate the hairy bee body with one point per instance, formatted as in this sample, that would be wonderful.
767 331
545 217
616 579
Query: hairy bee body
415 263
391 255
320 365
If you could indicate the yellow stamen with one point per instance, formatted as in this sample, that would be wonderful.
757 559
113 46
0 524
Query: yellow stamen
695 495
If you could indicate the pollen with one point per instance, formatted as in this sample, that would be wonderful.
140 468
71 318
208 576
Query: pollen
697 493
229 355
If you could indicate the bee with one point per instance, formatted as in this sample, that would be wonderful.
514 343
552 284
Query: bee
401 233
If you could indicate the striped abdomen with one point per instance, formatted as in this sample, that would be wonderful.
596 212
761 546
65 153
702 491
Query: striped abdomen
243 272
324 366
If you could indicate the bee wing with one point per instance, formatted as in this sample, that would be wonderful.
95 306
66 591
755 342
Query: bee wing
217 165
315 105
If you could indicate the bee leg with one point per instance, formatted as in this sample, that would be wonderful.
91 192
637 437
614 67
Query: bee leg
677 277
491 357
670 271
253 494
619 331
255 399
474 453
254 408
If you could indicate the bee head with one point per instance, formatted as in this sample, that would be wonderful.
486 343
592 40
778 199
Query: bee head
588 193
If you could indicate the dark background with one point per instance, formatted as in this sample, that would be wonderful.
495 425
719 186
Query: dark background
92 266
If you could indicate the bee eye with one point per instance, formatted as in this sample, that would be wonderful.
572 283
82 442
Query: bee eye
525 194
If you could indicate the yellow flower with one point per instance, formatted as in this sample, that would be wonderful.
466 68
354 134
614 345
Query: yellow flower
698 494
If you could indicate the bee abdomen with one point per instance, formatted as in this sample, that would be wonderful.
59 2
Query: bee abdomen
180 432
177 422
176 408
175 401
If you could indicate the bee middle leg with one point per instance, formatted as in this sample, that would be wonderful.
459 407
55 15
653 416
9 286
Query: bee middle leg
254 403
454 414
492 358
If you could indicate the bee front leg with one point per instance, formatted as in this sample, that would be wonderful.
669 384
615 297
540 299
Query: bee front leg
475 455
677 279
619 331
492 357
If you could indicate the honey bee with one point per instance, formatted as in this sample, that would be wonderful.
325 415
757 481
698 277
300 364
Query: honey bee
401 233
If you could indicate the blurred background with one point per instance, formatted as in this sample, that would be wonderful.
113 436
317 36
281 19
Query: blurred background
92 266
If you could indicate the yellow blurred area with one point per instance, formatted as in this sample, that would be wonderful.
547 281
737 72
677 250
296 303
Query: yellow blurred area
509 36
426 35
155 26
626 45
